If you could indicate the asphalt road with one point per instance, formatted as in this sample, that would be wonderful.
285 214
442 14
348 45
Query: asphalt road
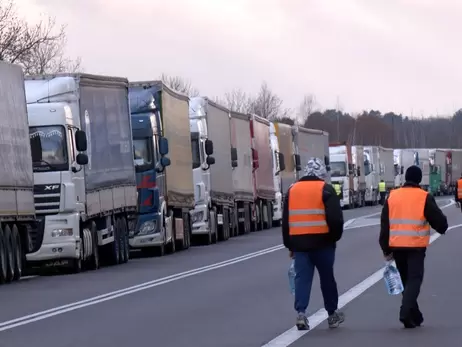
231 294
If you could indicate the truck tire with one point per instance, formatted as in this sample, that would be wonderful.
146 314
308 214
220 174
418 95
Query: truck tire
214 226
18 253
226 228
10 254
269 209
114 255
187 230
93 261
125 242
3 258
121 240
260 224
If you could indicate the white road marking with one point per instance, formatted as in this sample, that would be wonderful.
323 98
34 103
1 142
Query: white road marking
292 335
38 316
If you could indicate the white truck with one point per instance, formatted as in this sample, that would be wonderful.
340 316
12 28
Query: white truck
86 200
399 168
213 178
242 174
278 167
387 167
286 139
18 225
371 171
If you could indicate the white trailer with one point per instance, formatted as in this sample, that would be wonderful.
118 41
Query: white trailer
371 171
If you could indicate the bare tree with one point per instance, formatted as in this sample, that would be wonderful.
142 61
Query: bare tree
306 108
180 85
238 101
38 48
267 104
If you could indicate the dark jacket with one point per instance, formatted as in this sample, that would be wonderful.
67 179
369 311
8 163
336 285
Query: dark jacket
432 213
334 219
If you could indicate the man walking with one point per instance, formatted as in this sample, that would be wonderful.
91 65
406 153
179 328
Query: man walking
382 191
406 219
312 223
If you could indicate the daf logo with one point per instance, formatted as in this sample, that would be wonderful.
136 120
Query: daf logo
53 187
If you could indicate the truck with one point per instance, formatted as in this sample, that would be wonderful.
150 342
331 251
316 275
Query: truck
387 167
264 192
242 174
84 173
399 168
18 222
371 171
168 112
286 139
422 160
407 160
150 150
214 210
311 143
359 180
278 167
438 171
345 171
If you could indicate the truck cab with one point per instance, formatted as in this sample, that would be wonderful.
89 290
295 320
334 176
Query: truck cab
399 168
150 151
341 171
59 191
371 165
278 166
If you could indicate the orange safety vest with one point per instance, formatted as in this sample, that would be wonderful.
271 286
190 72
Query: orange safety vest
408 225
459 188
306 209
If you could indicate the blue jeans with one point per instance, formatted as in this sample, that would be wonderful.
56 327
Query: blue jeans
304 263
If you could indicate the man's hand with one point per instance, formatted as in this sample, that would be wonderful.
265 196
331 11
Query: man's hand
291 255
388 257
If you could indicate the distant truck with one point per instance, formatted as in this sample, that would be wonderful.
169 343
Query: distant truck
387 167
264 192
18 224
346 172
286 135
168 112
399 168
456 168
439 182
214 211
371 173
422 160
242 174
86 201
278 167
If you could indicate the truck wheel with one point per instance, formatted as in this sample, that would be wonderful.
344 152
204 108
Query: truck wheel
18 253
76 264
115 246
226 230
125 241
121 241
93 262
187 231
269 208
261 225
214 225
10 254
3 259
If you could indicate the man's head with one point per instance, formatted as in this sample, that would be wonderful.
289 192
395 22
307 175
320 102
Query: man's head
316 168
382 181
413 174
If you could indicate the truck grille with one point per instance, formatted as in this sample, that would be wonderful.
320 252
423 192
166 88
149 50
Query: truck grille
47 198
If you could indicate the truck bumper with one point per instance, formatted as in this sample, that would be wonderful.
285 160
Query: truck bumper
148 232
61 239
200 224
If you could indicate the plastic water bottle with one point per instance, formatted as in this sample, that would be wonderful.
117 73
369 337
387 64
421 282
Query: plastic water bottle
392 280
291 274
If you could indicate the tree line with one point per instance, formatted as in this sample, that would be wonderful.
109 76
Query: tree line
40 48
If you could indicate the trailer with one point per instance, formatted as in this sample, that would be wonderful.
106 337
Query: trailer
387 167
371 171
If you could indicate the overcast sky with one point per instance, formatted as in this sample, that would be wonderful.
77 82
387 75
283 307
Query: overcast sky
400 55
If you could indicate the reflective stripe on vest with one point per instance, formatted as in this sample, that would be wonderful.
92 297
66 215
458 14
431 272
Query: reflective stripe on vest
408 226
459 188
306 209
382 187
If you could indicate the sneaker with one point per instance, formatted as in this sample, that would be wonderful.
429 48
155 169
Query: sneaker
335 319
302 322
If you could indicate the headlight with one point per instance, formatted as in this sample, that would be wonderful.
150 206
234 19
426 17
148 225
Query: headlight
62 232
148 227
198 216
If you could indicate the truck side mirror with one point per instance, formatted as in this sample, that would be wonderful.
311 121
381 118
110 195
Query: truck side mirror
81 141
210 160
282 164
164 161
234 163
163 146
208 147
233 154
298 165
82 159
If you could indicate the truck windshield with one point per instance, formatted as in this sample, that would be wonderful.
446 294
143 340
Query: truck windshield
196 151
142 154
49 148
338 169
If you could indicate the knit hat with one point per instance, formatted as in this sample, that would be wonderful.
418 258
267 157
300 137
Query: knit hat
316 168
413 174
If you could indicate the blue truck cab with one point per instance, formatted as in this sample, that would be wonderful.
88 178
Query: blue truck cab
149 151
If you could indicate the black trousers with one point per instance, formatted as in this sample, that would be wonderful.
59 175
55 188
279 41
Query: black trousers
410 264
382 197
